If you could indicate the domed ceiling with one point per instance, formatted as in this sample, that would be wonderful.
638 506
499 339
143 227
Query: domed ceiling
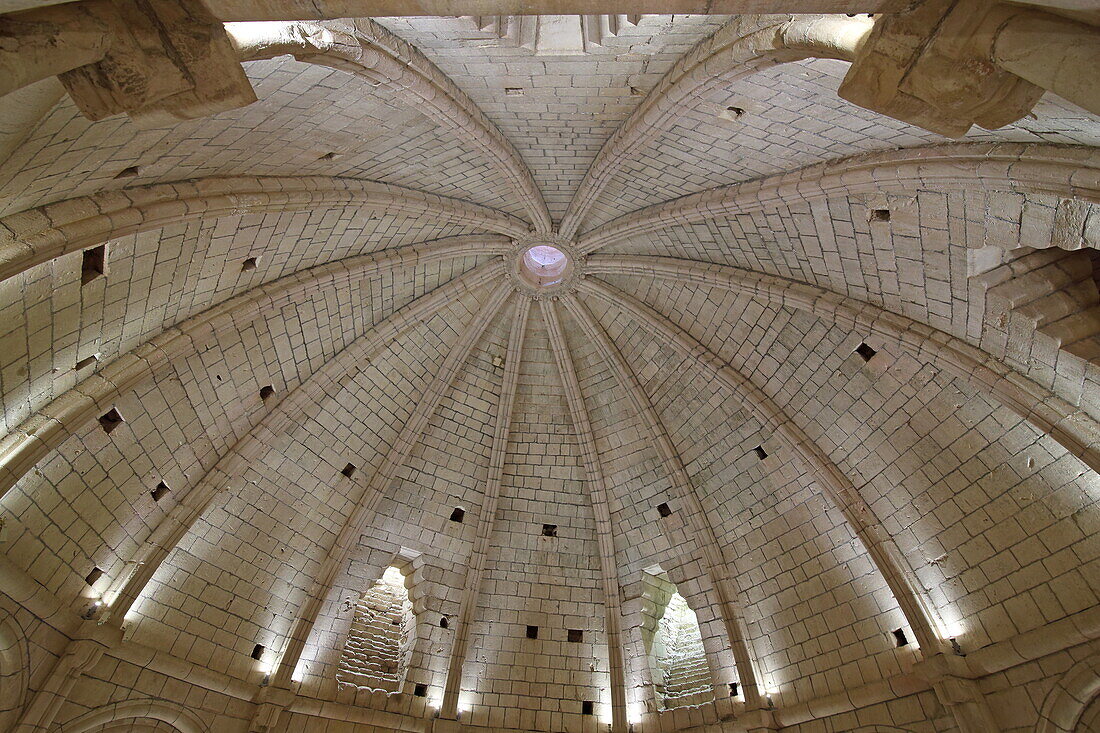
547 373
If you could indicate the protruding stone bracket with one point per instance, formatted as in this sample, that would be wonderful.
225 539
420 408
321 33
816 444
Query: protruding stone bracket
160 61
946 65
958 691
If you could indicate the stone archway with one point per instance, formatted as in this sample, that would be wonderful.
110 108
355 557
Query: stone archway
148 711
1070 697
13 672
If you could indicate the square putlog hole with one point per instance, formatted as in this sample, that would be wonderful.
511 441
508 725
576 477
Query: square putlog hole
575 636
93 264
111 420
549 530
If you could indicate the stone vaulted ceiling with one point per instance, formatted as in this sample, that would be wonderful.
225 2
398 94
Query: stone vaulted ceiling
828 375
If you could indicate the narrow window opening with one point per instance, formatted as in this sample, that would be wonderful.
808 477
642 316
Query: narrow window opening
249 264
899 637
379 646
673 645
549 530
420 689
443 622
159 492
458 514
880 215
94 576
760 452
576 636
258 652
87 362
110 421
587 707
130 172
348 470
733 689
532 632
664 510
267 392
93 264
865 351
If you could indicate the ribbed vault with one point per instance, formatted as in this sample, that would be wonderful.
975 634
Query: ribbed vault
781 372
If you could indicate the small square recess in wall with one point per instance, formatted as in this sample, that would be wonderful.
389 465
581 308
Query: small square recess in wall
576 636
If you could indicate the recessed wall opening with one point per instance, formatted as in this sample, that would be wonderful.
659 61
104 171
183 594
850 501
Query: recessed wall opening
458 514
865 351
420 689
900 639
130 172
733 689
575 636
880 215
664 510
348 470
249 264
760 452
443 622
94 576
159 491
549 530
532 632
258 652
110 420
329 156
379 644
587 707
513 91
673 644
87 362
267 392
93 264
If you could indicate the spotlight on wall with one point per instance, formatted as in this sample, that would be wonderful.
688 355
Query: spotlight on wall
93 610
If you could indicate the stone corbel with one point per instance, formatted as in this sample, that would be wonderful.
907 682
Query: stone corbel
957 690
271 702
159 61
946 65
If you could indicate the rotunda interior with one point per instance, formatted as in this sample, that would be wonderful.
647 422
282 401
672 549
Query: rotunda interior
381 366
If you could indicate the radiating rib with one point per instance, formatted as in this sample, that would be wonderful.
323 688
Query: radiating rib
281 419
597 491
716 567
476 568
337 558
836 486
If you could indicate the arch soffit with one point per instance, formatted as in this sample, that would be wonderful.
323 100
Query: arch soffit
1068 699
141 709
